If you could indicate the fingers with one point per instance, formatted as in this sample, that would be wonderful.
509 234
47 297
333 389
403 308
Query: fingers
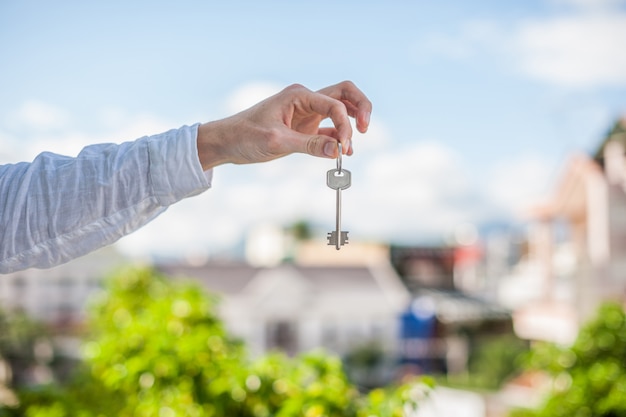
332 132
337 102
356 103
301 111
316 145
285 123
337 112
309 108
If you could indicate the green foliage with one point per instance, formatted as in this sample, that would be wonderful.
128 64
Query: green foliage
396 401
589 377
301 230
496 360
158 349
493 361
18 334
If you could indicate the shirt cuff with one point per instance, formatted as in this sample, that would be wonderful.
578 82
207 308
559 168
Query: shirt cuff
175 169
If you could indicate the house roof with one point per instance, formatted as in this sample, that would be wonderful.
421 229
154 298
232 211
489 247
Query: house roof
339 279
456 307
290 289
233 279
424 266
227 279
616 133
570 195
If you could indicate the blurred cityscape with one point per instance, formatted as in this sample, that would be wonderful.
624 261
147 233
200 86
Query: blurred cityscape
386 310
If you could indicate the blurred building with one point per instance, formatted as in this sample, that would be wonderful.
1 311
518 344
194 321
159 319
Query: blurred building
58 296
367 302
297 308
447 317
576 255
350 308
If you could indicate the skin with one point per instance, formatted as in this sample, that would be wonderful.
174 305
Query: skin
286 123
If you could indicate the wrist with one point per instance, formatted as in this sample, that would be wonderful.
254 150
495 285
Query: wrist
210 143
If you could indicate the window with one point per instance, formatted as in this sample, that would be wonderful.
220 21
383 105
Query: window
282 335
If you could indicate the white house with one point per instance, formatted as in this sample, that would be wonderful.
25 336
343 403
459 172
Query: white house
296 308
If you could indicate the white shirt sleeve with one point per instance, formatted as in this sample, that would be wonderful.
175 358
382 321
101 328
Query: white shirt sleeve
58 208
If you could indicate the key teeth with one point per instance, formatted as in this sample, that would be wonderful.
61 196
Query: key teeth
332 238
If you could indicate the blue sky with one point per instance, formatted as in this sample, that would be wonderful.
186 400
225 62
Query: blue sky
477 105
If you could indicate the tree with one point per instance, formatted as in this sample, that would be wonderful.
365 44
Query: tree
301 230
589 378
20 338
158 349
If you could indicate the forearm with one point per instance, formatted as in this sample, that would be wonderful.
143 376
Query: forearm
58 208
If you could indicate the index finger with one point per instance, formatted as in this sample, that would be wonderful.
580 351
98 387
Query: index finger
356 102
334 109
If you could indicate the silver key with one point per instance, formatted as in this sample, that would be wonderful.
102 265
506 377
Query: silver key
338 179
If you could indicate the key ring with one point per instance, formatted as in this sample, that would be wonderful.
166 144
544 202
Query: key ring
339 158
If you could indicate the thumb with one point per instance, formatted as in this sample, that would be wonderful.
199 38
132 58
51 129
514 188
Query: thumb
320 145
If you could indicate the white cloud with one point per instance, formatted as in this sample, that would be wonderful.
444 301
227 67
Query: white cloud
249 94
36 115
583 50
592 4
517 183
135 127
412 193
474 37
377 137
68 141
7 148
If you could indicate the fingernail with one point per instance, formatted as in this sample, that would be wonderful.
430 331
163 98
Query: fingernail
367 117
329 149
348 146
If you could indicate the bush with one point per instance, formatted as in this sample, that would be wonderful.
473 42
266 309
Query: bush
589 378
159 349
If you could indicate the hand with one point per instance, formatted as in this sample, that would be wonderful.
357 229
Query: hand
286 123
